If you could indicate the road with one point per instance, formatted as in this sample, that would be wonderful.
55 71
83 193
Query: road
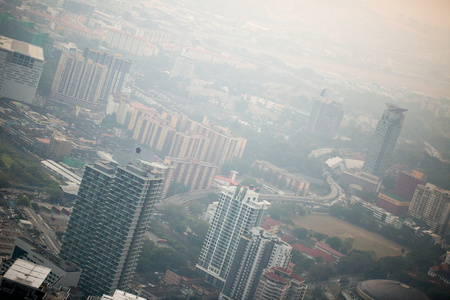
336 194
48 235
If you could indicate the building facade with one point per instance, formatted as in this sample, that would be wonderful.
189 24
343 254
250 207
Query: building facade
257 251
393 203
278 283
326 116
378 159
21 68
406 183
107 226
63 273
238 211
432 205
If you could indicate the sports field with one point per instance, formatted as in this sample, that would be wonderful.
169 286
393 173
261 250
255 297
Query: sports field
364 240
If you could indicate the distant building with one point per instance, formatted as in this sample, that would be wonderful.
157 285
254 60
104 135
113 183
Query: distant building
381 149
78 82
83 80
279 283
117 74
59 147
326 116
129 43
393 203
382 289
257 251
407 182
120 105
21 68
361 181
222 240
62 273
183 67
194 174
106 229
327 249
432 205
184 277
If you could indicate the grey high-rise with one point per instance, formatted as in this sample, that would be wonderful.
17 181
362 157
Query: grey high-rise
326 116
238 211
379 157
107 227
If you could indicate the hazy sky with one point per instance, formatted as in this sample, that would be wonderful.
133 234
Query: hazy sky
436 12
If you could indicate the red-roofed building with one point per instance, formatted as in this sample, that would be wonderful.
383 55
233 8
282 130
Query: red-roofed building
226 180
288 238
314 253
270 225
336 254
280 283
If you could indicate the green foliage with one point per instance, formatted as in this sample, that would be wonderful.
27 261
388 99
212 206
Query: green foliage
320 272
285 212
301 233
4 183
159 259
249 181
195 208
23 200
176 188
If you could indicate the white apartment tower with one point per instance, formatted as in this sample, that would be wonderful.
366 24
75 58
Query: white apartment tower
238 211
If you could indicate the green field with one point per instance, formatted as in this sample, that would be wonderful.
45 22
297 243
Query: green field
364 240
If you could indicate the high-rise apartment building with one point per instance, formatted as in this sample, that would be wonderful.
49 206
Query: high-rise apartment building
257 251
107 226
78 81
183 67
223 144
83 80
21 68
194 174
279 283
378 159
432 205
326 116
238 211
189 145
118 69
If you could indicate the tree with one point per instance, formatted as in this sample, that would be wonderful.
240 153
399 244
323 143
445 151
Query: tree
335 243
23 200
195 208
301 233
320 236
4 183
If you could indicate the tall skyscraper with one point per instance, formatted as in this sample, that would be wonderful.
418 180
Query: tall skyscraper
257 251
21 68
106 230
432 205
379 157
326 116
238 211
